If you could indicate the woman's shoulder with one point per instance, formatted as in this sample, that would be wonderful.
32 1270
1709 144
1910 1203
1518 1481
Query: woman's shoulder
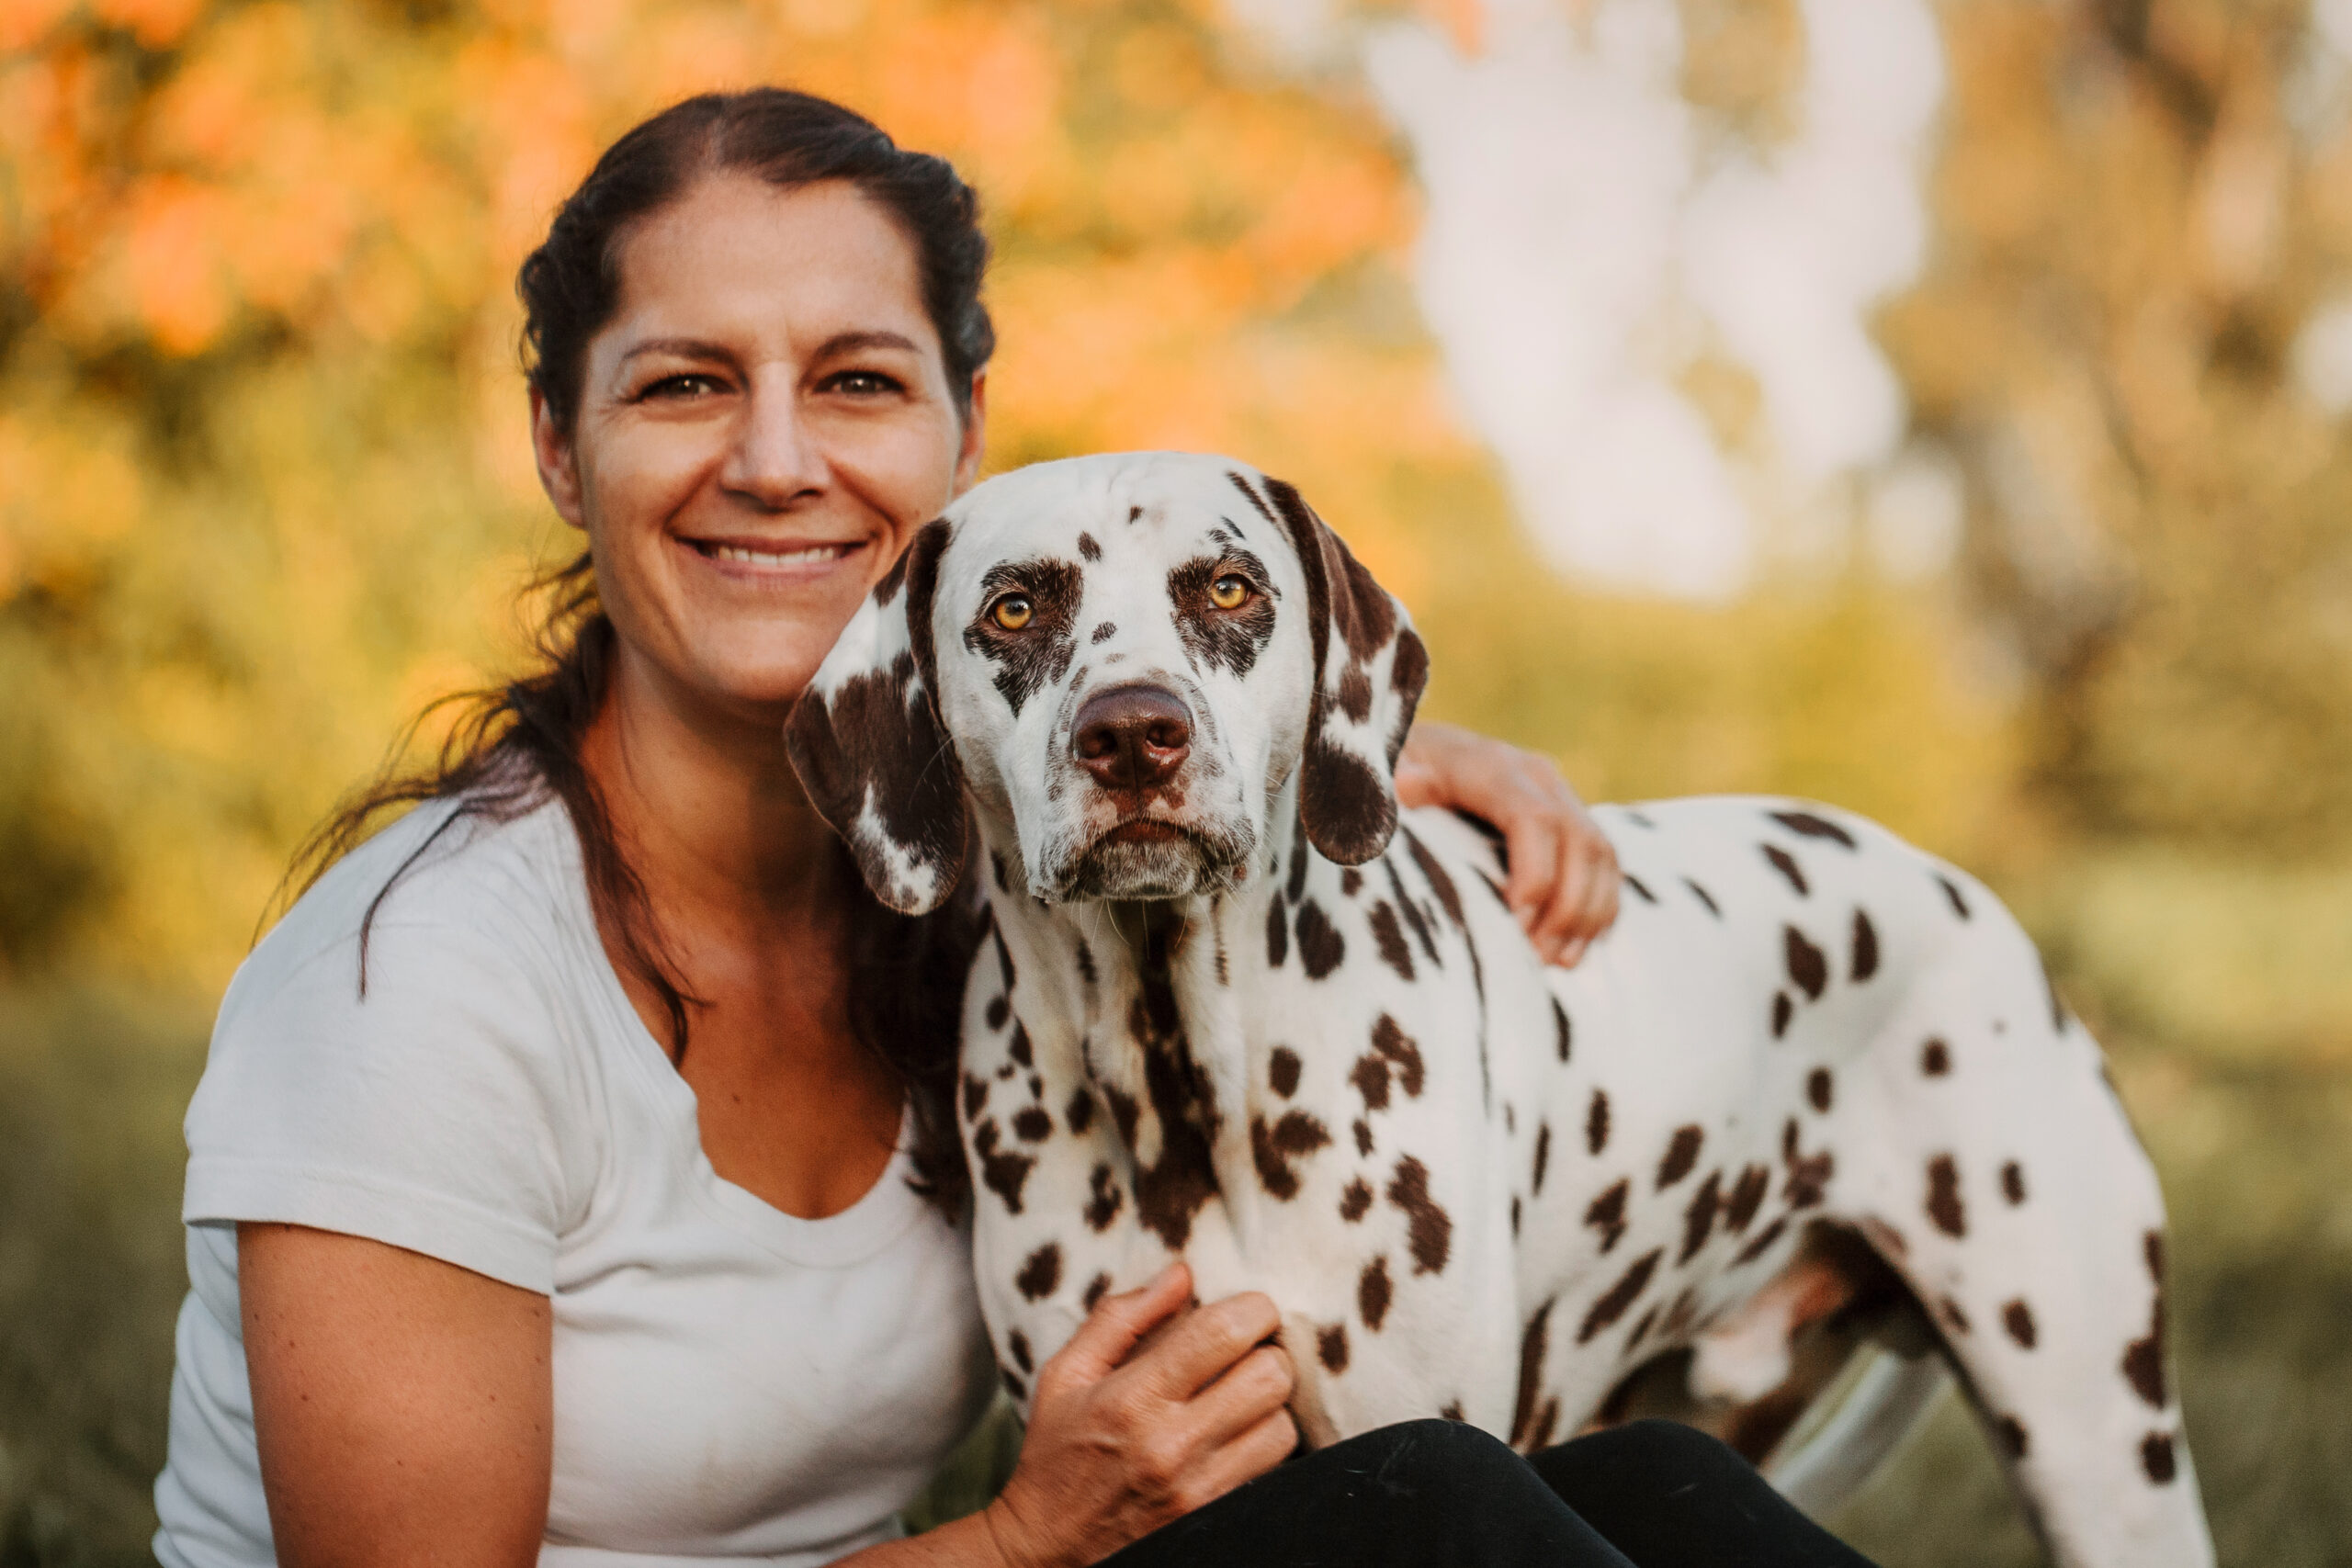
446 874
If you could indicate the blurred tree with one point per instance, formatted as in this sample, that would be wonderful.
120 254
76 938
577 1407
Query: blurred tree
2140 203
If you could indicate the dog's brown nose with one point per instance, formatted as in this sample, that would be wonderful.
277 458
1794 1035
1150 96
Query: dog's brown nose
1133 736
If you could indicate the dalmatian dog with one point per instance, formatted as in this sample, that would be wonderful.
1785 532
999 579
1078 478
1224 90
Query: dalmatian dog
1235 1006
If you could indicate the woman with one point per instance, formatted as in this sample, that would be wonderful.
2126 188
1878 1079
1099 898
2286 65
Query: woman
553 1188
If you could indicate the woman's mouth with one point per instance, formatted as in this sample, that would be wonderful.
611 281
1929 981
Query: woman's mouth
775 558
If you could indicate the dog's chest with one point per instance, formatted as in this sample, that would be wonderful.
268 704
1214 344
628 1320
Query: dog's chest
1369 1099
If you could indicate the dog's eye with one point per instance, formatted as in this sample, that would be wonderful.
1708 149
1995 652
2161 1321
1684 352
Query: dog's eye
1227 592
1013 611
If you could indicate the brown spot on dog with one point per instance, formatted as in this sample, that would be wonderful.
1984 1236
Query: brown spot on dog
1783 1011
1320 947
1864 960
1817 1089
1606 1213
1786 864
1012 1385
1104 1202
1809 1175
1620 1295
1429 1227
1281 1071
1808 965
2152 1247
1944 1207
1041 1273
1002 1172
1088 548
1704 898
1080 1112
1390 939
1746 1197
1374 1292
2017 1318
1814 826
1763 1240
1363 1130
1032 1124
1018 1343
1596 1124
1294 1136
1642 1329
1277 934
1935 1059
976 1096
1085 956
1561 1041
1000 1009
1640 890
1434 872
1124 1112
2013 1183
1534 1341
1104 632
1331 1348
1542 1157
1514 1216
2156 1458
1699 1219
1949 1310
1096 1289
1452 1411
1400 1048
2144 1359
1681 1154
1355 1201
1350 882
1951 892
2012 1435
1370 1077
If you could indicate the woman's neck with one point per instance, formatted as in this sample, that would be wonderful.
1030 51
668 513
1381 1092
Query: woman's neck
705 803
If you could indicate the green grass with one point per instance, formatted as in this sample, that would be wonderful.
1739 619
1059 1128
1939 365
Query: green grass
2257 1164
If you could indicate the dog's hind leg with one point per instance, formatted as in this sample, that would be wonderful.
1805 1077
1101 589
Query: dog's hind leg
1995 1170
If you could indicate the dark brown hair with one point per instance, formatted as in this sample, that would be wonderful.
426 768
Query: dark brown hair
516 747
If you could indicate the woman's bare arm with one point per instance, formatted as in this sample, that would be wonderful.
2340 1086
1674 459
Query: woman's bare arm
402 1405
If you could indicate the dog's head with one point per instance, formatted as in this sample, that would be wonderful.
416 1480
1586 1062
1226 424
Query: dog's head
1123 659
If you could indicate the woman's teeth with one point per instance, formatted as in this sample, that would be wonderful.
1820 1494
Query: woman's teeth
814 554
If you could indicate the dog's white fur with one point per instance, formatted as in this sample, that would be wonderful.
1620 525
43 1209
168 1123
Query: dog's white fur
1474 1186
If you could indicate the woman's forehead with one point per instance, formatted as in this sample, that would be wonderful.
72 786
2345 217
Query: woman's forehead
737 256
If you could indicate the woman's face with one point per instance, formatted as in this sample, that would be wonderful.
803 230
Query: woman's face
763 424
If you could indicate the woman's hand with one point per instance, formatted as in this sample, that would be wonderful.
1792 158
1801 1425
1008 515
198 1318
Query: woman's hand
1122 1440
1563 875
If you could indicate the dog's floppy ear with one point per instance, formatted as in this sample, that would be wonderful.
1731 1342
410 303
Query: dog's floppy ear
1370 668
866 740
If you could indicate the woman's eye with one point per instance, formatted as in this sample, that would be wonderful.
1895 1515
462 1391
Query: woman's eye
693 385
1013 611
863 383
1229 592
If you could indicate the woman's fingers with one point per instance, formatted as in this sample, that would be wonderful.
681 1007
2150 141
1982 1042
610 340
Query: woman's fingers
1209 1341
1264 1444
1111 1332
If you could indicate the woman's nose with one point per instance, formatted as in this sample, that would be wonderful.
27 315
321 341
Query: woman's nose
775 458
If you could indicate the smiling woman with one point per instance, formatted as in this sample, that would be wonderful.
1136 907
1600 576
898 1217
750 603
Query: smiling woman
556 1181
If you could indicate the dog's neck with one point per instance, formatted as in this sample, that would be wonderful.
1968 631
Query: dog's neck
1139 1004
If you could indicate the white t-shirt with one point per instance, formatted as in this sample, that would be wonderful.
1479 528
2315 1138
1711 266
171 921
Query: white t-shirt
732 1384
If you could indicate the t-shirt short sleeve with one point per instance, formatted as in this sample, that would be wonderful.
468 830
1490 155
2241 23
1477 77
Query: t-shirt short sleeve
432 1112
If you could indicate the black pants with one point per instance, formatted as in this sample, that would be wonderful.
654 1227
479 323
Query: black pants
1441 1495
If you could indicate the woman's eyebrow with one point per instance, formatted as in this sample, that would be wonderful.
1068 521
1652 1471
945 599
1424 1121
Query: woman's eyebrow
679 347
853 342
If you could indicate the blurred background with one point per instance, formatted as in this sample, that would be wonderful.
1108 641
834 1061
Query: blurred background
1938 409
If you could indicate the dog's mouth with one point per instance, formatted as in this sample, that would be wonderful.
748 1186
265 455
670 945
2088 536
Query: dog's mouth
1150 857
1142 830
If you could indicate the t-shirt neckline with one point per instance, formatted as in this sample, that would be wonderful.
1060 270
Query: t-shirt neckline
881 1214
